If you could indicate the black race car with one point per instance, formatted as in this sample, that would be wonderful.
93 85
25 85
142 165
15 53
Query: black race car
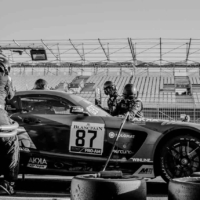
66 134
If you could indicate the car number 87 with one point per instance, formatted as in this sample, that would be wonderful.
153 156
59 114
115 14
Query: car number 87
86 137
80 137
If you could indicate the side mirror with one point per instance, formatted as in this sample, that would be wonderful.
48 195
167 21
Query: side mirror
38 54
78 110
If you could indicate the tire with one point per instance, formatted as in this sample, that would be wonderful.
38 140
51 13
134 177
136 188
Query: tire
88 187
179 157
187 188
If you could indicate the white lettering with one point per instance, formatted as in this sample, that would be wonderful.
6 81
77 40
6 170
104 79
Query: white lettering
37 166
122 135
140 159
126 136
39 161
94 151
122 152
145 120
146 171
88 127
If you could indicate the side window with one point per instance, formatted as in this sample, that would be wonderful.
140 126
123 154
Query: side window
45 105
12 106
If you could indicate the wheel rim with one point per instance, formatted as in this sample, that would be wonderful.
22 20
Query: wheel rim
182 158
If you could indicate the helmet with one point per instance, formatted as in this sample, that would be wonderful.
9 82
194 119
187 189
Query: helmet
4 65
41 84
109 88
130 92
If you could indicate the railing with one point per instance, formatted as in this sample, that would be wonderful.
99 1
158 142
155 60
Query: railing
164 107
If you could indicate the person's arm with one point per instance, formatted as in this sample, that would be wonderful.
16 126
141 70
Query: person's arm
9 89
116 106
135 108
98 103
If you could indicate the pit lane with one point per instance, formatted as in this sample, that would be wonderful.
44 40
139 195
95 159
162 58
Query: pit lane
43 187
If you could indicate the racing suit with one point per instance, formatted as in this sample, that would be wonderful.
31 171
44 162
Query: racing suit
112 103
9 146
133 106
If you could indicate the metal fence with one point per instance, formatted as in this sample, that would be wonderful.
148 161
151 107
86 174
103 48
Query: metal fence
169 108
172 113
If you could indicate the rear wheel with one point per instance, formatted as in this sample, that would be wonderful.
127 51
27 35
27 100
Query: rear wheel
179 157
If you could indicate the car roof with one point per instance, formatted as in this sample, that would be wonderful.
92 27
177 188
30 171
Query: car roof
63 94
74 98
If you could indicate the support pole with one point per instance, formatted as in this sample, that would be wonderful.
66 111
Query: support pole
107 55
160 53
82 58
188 50
133 54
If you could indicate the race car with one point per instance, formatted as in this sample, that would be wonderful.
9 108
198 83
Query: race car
65 134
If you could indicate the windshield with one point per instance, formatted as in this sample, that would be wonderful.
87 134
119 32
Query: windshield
91 108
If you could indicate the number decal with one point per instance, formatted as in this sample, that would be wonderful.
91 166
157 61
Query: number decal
92 138
80 135
87 138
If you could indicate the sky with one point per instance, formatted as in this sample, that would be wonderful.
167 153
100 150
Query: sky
92 19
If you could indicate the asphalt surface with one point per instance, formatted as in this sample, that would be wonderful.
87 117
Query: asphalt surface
42 187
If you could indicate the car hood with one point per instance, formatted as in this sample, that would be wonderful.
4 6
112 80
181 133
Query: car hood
152 124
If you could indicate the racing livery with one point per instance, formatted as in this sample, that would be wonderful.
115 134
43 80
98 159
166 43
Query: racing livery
65 134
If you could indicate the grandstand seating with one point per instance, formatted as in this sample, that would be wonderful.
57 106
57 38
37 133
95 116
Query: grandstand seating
26 82
151 88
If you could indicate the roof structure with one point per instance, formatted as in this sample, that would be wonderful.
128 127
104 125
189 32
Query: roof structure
126 52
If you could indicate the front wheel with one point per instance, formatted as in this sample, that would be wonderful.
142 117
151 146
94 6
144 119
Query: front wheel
179 157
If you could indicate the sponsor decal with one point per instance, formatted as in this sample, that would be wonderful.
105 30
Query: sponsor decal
122 135
84 168
24 149
111 135
92 109
39 163
168 122
145 120
122 152
140 159
145 171
8 107
88 127
75 169
139 123
86 150
87 138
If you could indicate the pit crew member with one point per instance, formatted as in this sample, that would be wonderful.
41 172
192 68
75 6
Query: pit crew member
41 84
9 146
111 90
130 103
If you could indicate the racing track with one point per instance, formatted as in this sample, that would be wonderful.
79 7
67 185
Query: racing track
57 188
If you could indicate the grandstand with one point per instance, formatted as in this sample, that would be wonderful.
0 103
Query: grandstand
166 72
